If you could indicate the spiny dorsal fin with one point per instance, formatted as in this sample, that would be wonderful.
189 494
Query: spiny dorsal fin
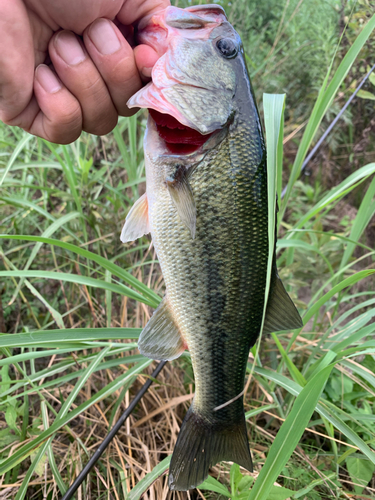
281 313
161 337
136 223
182 197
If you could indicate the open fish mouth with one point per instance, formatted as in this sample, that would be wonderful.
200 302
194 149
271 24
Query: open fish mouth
178 138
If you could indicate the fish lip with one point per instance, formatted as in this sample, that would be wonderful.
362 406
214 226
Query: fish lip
134 103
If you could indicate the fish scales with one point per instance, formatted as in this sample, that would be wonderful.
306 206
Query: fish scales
206 207
216 294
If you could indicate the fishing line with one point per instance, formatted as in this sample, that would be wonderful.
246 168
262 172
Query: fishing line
104 444
342 110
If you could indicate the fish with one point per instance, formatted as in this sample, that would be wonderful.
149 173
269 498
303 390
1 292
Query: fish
206 208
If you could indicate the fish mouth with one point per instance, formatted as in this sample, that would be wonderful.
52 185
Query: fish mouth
178 139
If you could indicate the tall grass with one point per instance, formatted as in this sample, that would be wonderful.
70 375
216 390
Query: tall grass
76 299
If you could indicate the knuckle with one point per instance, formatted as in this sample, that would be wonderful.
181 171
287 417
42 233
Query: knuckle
122 73
71 116
10 110
66 127
93 86
102 125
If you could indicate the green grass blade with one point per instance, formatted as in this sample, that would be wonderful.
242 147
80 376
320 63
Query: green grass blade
19 147
342 189
261 409
112 387
25 483
363 217
212 484
55 314
154 299
293 370
325 98
326 412
46 234
106 365
61 337
350 340
273 105
46 447
289 435
78 279
51 457
147 481
341 426
81 382
303 245
123 149
26 356
24 203
340 286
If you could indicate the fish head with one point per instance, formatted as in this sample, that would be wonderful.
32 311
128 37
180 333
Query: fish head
192 93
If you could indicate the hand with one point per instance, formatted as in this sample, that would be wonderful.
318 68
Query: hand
53 83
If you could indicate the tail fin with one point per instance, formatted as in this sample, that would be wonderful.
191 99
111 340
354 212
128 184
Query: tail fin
201 444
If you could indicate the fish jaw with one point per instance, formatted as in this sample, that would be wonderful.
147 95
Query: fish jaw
191 81
157 147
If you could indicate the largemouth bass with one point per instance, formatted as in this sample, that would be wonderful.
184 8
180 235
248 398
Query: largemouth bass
206 208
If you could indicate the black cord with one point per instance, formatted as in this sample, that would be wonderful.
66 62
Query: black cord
101 448
318 144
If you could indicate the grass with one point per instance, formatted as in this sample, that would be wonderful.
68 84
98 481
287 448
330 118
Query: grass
74 300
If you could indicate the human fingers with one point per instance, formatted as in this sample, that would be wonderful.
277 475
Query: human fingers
54 113
145 58
16 61
80 76
114 59
133 11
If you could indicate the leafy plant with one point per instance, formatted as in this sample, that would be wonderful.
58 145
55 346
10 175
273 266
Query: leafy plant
75 301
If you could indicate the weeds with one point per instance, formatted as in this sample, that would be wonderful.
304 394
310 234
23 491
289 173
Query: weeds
74 301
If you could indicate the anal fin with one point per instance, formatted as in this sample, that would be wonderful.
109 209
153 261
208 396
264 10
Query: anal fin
136 223
161 338
281 313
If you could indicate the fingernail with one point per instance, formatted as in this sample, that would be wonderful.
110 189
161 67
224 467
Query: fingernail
69 48
104 38
146 72
47 79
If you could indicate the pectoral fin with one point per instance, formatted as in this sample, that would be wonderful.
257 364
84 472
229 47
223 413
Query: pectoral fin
161 337
182 197
136 223
281 313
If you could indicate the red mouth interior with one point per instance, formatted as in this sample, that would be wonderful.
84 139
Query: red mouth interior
178 138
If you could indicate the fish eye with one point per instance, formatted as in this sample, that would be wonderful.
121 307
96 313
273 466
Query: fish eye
227 47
